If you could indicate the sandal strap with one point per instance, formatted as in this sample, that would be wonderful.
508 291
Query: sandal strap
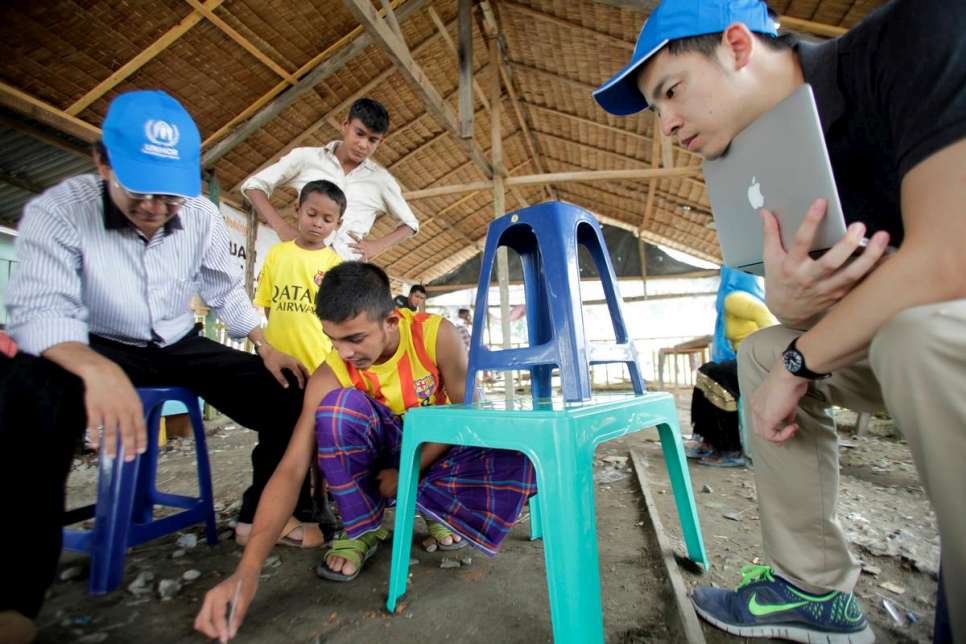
354 549
438 530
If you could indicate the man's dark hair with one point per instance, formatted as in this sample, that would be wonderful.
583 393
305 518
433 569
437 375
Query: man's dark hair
326 188
462 312
372 114
707 44
352 288
418 288
101 150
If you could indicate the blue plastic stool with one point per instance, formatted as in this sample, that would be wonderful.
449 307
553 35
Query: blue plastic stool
126 496
546 238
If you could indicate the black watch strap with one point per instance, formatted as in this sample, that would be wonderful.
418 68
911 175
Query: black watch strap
795 363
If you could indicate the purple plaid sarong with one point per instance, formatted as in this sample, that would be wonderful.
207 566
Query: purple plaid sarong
477 493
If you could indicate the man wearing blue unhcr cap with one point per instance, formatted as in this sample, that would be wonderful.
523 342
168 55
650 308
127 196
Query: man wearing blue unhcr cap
100 304
863 334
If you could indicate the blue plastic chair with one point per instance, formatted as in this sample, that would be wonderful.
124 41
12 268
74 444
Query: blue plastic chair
546 237
126 496
558 437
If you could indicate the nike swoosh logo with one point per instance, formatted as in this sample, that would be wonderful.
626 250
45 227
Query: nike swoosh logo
759 610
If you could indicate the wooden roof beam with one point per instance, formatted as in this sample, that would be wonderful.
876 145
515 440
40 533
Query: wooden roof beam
38 110
688 178
339 110
316 60
642 138
632 174
245 44
572 27
307 83
141 59
798 24
523 119
399 53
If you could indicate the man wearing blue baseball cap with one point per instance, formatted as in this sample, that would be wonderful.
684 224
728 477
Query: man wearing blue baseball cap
862 333
100 304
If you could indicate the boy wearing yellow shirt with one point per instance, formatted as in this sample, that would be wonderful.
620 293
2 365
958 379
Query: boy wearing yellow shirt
293 272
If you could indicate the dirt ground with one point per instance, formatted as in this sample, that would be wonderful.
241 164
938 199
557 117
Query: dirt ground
504 599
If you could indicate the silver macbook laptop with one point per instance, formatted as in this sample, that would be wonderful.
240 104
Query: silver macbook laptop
778 162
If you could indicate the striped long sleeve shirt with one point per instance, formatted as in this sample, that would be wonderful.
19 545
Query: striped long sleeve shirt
84 269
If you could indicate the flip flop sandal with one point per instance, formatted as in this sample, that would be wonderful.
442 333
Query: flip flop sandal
438 531
358 551
312 536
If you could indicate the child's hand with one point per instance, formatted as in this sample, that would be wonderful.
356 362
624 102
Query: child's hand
388 482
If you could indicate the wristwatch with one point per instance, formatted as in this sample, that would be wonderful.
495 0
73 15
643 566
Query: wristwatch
258 344
795 364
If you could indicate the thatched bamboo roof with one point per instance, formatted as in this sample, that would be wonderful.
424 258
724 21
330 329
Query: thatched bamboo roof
230 60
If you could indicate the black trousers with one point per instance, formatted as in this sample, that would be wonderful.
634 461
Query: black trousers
42 419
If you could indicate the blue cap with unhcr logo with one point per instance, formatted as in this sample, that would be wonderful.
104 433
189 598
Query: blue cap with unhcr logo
153 144
673 19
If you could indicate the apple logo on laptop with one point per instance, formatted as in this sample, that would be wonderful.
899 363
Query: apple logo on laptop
755 198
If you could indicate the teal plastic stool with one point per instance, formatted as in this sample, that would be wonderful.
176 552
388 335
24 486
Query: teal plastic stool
559 439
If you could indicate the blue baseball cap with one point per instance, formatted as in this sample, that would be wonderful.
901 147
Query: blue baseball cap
673 19
153 144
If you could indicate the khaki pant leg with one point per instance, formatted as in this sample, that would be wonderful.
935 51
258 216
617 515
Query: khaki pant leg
920 359
798 480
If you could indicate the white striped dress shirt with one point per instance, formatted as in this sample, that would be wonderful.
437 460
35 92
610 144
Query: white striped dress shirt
83 270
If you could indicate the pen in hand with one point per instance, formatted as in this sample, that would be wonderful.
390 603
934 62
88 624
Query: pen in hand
232 608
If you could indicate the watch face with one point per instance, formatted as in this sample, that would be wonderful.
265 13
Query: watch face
793 361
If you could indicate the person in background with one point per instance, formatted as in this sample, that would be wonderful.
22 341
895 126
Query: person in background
369 188
717 440
287 286
464 324
293 271
416 299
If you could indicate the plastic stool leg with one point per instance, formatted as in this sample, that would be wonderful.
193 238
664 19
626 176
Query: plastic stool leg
570 548
536 527
402 537
145 492
204 470
115 499
677 469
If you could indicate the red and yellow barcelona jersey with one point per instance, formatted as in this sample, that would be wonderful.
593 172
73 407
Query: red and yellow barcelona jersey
410 377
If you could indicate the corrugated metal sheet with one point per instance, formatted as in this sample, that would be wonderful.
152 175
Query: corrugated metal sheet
28 165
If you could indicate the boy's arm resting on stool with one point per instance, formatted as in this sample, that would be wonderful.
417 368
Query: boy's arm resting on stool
274 509
451 360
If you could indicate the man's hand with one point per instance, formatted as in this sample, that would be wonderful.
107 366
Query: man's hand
366 248
278 362
112 404
388 482
774 403
797 287
217 619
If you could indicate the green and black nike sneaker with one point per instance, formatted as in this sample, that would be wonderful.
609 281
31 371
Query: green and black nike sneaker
765 605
